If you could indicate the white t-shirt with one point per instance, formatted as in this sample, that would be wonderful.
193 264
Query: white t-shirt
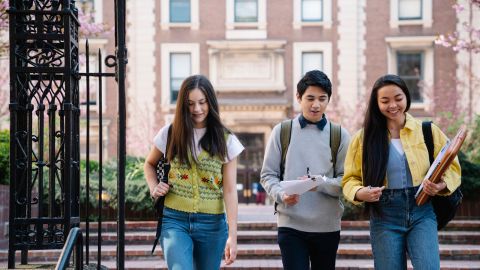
397 143
234 146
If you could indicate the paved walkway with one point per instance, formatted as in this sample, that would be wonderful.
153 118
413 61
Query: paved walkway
253 212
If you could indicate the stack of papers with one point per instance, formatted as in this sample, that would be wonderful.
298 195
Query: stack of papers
301 186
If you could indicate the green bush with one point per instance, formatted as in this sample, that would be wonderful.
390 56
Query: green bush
4 157
471 146
137 195
353 212
470 177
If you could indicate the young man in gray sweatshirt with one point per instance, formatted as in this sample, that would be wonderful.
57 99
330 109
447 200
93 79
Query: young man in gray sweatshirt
308 224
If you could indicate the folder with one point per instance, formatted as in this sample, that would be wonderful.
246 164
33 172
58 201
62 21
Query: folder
443 160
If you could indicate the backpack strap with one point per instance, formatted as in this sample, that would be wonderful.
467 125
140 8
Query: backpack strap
285 135
162 169
168 142
428 138
335 139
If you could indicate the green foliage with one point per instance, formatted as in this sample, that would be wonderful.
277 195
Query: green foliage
353 212
4 157
137 195
471 147
470 177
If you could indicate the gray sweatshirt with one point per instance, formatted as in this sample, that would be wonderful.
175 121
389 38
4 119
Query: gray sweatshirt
316 211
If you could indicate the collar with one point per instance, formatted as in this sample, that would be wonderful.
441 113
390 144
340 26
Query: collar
304 122
409 121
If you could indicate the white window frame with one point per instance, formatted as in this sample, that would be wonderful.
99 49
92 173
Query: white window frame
94 138
98 9
424 44
94 45
246 30
297 15
298 49
165 23
425 21
166 50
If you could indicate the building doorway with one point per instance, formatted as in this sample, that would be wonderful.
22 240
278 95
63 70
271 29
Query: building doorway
249 166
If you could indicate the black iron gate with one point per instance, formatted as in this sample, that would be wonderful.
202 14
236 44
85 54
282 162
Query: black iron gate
45 125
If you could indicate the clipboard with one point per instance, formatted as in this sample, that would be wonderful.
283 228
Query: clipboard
443 160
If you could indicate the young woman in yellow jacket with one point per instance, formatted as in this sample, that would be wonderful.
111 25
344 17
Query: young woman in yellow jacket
386 163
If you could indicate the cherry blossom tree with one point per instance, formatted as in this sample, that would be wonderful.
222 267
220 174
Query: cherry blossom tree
88 28
465 41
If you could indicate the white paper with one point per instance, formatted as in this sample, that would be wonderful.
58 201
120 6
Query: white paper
433 166
301 186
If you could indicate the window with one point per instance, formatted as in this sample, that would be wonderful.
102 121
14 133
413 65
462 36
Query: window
411 12
179 11
178 61
410 68
246 11
91 9
180 68
246 19
307 13
412 58
409 9
312 10
93 86
311 61
308 56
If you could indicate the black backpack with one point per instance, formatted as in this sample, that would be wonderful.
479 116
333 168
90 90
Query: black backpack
445 207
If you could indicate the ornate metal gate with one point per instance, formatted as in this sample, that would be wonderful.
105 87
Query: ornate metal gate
45 125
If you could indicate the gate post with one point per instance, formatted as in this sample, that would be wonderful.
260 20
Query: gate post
44 124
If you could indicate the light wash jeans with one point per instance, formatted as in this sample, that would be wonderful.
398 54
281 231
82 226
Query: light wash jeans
193 240
403 227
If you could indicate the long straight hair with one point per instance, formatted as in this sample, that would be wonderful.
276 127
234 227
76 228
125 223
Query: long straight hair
182 141
375 136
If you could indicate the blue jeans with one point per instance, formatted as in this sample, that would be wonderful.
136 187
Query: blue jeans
402 227
308 250
193 240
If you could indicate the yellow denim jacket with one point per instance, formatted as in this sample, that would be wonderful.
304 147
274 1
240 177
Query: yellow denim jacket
416 152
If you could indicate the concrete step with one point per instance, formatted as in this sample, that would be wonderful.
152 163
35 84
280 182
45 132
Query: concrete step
262 264
249 251
111 226
270 237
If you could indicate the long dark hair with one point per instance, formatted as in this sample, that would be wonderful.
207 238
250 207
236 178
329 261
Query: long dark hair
375 134
182 141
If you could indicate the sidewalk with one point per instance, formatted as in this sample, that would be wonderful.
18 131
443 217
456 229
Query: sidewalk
256 213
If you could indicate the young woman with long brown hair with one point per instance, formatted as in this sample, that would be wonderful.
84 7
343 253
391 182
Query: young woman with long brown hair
202 181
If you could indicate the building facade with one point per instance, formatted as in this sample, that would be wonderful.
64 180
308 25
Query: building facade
255 51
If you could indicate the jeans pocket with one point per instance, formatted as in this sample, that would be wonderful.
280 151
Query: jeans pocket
384 199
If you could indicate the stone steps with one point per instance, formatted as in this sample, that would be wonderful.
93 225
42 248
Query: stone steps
270 237
257 247
250 251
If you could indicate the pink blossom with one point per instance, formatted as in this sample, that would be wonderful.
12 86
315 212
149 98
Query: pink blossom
458 8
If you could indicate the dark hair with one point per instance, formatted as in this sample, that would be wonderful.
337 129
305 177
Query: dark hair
315 78
182 128
375 133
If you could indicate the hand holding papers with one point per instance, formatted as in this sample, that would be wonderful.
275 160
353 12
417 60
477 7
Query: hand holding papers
302 185
441 163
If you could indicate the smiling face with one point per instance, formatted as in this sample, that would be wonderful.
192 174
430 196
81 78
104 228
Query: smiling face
392 103
198 107
313 103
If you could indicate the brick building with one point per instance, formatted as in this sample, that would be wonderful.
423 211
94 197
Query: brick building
254 52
